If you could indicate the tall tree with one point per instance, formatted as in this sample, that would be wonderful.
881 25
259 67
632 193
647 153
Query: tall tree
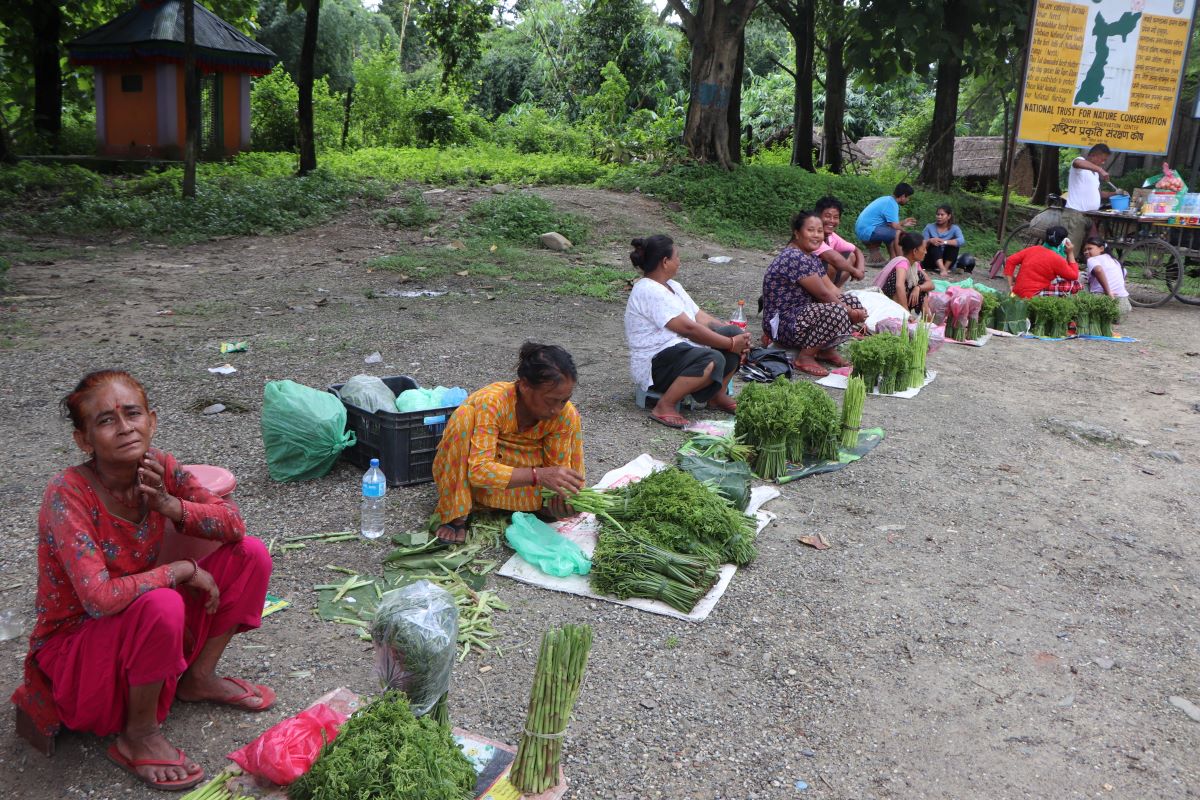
799 17
304 83
454 27
617 31
191 99
715 30
900 37
838 26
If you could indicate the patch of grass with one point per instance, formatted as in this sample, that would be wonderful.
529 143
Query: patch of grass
205 308
410 211
672 642
752 205
481 258
475 164
522 217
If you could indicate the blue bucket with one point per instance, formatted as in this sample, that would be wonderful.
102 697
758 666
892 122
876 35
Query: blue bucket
1119 202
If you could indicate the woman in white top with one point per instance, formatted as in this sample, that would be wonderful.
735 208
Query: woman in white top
675 348
1105 273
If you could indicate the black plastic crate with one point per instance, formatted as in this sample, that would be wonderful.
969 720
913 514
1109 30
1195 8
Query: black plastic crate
403 443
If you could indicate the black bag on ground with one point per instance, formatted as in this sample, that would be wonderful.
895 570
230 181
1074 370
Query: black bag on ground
765 364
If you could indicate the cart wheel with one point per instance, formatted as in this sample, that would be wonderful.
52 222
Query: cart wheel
1188 290
1153 270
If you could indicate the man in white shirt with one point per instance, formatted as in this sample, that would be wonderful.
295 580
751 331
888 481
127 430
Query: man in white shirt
1084 193
1083 182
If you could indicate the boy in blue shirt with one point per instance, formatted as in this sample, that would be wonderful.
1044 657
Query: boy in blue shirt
880 223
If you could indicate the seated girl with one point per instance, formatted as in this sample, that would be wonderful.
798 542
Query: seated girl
117 638
675 348
844 260
802 308
943 240
509 440
1105 273
1047 269
902 278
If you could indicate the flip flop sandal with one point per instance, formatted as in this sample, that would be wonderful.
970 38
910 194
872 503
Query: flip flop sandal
460 533
131 766
838 362
672 421
816 370
239 700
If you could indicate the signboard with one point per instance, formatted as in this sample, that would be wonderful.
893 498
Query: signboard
1105 71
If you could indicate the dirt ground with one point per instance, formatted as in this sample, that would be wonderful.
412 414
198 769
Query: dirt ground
1004 611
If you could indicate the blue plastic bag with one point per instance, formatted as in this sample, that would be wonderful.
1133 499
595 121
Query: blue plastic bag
546 548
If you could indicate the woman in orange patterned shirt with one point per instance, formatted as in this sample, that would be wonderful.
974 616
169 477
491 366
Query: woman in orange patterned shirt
510 439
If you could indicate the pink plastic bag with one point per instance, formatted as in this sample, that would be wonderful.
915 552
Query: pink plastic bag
975 304
288 749
935 306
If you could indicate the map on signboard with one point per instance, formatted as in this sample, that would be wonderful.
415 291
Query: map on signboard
1109 54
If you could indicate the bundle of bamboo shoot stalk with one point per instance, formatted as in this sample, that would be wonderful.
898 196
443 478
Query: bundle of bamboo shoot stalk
852 408
556 682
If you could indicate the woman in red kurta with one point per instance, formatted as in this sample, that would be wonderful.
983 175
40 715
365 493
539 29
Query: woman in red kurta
1045 269
117 637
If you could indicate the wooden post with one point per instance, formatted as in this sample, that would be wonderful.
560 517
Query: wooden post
191 99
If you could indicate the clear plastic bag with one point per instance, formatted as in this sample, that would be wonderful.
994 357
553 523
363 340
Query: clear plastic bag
288 749
368 393
303 430
415 631
546 548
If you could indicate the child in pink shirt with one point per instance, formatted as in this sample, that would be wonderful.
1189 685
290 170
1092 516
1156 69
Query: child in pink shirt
843 260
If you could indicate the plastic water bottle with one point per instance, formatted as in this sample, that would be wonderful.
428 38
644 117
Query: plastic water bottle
739 315
374 496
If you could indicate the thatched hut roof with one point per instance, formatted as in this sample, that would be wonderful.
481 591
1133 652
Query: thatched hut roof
974 156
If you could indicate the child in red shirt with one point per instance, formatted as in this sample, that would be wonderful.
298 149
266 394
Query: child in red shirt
1047 269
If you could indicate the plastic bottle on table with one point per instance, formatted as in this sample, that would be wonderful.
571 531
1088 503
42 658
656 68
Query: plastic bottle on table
739 315
374 497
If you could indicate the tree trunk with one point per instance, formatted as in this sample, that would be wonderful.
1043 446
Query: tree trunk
308 51
735 104
714 31
802 97
46 21
346 115
1047 175
938 169
191 99
834 127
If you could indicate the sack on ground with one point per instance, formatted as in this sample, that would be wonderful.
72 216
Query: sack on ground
303 430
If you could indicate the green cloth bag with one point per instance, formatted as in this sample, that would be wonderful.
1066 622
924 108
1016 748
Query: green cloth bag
303 430
546 548
730 479
1012 315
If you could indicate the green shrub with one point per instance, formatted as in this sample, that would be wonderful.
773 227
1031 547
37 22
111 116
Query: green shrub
410 211
480 163
274 125
523 217
70 181
529 129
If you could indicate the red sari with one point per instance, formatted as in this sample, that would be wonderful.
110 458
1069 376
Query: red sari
108 617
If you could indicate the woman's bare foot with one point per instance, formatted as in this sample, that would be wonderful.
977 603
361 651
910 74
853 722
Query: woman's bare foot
724 402
210 688
454 531
137 746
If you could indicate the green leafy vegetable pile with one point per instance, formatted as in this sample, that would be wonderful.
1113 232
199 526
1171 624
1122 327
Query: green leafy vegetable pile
384 752
1051 316
882 361
686 516
722 448
627 564
786 420
1095 314
987 312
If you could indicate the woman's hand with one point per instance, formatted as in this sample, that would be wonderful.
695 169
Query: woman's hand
857 315
560 508
563 480
202 581
914 296
152 484
740 343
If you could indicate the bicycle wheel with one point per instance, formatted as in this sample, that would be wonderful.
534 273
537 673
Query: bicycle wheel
1153 269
